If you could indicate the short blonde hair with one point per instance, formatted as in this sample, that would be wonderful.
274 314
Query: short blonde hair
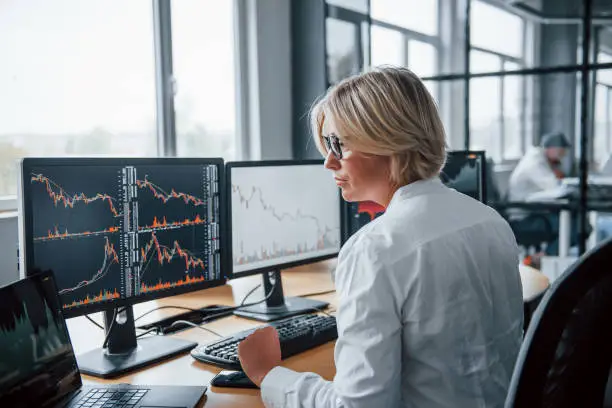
386 112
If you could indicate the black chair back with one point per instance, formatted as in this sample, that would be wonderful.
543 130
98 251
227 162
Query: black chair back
567 351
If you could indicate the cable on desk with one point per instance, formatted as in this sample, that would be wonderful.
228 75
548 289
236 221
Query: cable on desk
325 292
198 326
180 308
249 294
94 322
224 309
152 329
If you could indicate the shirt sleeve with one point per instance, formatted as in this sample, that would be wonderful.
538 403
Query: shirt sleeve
368 350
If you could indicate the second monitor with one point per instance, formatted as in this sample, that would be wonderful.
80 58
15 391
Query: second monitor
283 214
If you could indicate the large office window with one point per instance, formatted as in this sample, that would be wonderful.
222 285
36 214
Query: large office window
76 78
497 108
203 63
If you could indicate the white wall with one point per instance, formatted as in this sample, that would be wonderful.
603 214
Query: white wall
8 248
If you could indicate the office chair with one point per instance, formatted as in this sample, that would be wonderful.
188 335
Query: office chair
565 357
532 232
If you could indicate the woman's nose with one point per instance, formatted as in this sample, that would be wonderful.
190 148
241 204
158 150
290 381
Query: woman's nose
331 162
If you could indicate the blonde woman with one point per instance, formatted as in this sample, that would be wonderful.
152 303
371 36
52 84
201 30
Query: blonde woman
430 309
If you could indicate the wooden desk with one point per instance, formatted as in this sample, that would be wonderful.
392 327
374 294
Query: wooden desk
184 370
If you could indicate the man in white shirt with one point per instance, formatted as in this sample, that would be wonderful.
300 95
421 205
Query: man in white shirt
430 310
540 168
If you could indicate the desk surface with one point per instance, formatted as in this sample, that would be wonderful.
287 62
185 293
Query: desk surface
184 370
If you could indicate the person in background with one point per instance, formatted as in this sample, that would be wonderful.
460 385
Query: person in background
430 310
540 169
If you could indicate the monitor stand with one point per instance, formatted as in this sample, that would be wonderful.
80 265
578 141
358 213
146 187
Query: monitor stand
124 352
277 306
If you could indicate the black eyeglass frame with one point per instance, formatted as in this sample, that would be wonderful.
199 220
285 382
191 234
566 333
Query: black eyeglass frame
332 143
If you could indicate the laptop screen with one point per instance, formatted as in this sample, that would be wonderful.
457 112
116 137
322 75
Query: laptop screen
37 364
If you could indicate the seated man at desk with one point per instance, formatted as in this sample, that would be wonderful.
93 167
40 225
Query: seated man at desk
430 310
540 170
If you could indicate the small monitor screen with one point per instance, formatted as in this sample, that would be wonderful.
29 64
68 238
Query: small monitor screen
115 230
282 214
37 364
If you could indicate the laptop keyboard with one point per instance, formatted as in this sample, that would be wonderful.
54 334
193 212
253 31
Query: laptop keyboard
111 398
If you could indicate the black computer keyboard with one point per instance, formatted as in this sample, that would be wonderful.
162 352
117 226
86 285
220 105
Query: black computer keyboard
111 398
297 334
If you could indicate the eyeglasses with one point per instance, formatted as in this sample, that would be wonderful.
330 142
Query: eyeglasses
333 144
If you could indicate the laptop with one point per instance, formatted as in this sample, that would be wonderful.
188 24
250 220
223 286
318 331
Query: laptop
38 367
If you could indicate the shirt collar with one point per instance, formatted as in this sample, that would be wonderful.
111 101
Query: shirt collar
415 189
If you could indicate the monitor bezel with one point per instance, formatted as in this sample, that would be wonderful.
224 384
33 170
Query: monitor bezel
229 235
27 266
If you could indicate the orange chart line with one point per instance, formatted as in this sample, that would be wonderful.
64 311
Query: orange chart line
159 193
68 201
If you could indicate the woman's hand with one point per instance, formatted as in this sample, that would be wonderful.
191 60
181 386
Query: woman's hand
259 353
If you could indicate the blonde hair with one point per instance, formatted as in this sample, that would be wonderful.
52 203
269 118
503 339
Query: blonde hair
386 112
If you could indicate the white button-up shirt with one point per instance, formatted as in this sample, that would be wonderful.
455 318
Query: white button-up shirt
430 310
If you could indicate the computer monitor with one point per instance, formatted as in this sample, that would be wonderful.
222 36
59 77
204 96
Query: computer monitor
465 171
116 232
283 214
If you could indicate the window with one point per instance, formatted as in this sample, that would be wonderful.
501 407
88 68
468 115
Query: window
203 65
422 58
603 125
603 111
513 126
342 49
77 77
416 15
496 30
497 45
485 116
422 61
387 47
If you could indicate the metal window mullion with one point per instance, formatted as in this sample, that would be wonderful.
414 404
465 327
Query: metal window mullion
164 80
584 123
466 81
498 54
502 121
523 115
405 50
608 118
